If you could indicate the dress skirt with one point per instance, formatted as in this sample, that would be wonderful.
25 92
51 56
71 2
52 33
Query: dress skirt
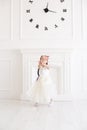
43 89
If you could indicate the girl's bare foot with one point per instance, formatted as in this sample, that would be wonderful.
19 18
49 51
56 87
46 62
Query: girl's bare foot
36 104
50 102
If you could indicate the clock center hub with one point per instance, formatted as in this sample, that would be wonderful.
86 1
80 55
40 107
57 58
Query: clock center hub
46 10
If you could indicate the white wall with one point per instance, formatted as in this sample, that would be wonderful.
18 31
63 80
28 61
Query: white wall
12 41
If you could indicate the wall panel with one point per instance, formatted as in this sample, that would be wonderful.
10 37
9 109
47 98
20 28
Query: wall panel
10 74
5 19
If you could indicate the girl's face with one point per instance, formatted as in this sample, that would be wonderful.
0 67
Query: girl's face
44 60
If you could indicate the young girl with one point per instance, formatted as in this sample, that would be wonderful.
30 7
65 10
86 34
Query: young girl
43 90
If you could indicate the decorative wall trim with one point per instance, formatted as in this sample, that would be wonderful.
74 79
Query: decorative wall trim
77 20
11 20
20 26
84 19
82 25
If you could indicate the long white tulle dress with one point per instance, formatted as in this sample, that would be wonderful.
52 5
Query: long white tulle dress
43 90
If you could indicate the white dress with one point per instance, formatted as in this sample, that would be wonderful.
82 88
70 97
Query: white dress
43 89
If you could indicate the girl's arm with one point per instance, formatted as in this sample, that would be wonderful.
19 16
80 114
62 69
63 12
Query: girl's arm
39 65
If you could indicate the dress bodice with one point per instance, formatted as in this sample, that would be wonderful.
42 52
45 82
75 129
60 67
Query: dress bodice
44 71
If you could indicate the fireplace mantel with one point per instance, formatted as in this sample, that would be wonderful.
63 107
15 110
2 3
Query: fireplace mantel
60 62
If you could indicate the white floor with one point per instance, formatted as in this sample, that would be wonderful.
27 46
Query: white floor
15 115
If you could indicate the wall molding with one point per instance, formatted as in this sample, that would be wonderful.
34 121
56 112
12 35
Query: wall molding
77 20
11 20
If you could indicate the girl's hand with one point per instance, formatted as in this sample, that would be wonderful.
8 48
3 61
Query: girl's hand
46 66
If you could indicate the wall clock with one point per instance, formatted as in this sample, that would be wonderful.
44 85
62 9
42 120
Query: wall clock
46 15
46 19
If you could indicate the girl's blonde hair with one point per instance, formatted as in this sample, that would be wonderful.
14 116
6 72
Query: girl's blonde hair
44 56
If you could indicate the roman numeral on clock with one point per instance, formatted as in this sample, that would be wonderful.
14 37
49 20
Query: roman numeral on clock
62 19
45 28
31 1
61 0
28 11
37 26
56 26
64 10
31 20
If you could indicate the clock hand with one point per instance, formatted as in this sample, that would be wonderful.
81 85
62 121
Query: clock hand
47 10
52 11
47 6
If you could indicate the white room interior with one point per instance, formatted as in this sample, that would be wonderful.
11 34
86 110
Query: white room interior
21 46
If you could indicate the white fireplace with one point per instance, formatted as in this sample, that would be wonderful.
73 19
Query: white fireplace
60 63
